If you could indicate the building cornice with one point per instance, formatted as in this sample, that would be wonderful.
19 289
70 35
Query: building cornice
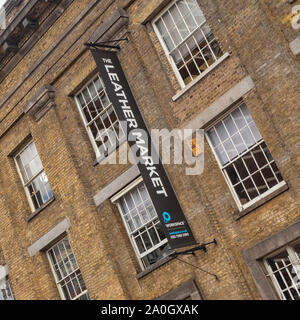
28 25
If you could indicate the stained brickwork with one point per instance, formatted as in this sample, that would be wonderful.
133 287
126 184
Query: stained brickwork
253 34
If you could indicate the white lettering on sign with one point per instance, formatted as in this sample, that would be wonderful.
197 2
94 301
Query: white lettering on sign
141 143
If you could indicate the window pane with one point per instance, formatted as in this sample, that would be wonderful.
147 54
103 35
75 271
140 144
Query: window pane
239 143
26 156
250 163
259 156
98 105
196 11
86 96
98 84
230 149
240 190
52 257
71 289
6 291
146 240
57 272
269 176
92 90
156 255
238 118
80 279
296 247
222 133
276 261
287 295
144 214
143 191
39 185
295 293
163 31
140 244
231 138
246 113
276 171
21 167
87 115
200 40
230 125
136 197
185 75
129 223
255 131
192 67
160 232
69 277
221 155
241 169
150 209
80 100
146 232
250 188
76 286
36 165
32 196
137 221
207 53
173 31
129 201
183 25
232 174
216 49
153 236
30 166
284 275
267 152
248 137
99 116
260 183
213 137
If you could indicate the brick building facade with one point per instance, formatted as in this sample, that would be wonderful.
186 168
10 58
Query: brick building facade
228 67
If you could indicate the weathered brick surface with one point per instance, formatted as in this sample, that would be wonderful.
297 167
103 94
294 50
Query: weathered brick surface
257 41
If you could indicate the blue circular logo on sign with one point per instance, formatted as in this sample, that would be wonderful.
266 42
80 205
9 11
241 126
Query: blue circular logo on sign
167 217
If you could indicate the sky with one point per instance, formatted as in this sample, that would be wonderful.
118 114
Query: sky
2 3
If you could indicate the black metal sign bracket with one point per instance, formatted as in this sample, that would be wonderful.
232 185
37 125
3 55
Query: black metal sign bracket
192 250
105 44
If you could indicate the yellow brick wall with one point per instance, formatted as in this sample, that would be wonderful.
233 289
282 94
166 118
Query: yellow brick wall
97 235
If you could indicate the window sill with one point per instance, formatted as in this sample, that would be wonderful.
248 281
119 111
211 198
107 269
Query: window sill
201 76
262 201
39 210
154 266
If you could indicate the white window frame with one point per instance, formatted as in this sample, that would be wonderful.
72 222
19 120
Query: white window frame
240 206
99 156
57 281
5 284
8 290
168 53
25 185
295 261
115 200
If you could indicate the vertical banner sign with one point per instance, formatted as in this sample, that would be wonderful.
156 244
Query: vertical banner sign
154 175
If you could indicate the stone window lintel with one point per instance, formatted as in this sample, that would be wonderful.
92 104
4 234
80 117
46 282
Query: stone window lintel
41 102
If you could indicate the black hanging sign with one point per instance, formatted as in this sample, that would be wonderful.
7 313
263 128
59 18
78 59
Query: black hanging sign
153 172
